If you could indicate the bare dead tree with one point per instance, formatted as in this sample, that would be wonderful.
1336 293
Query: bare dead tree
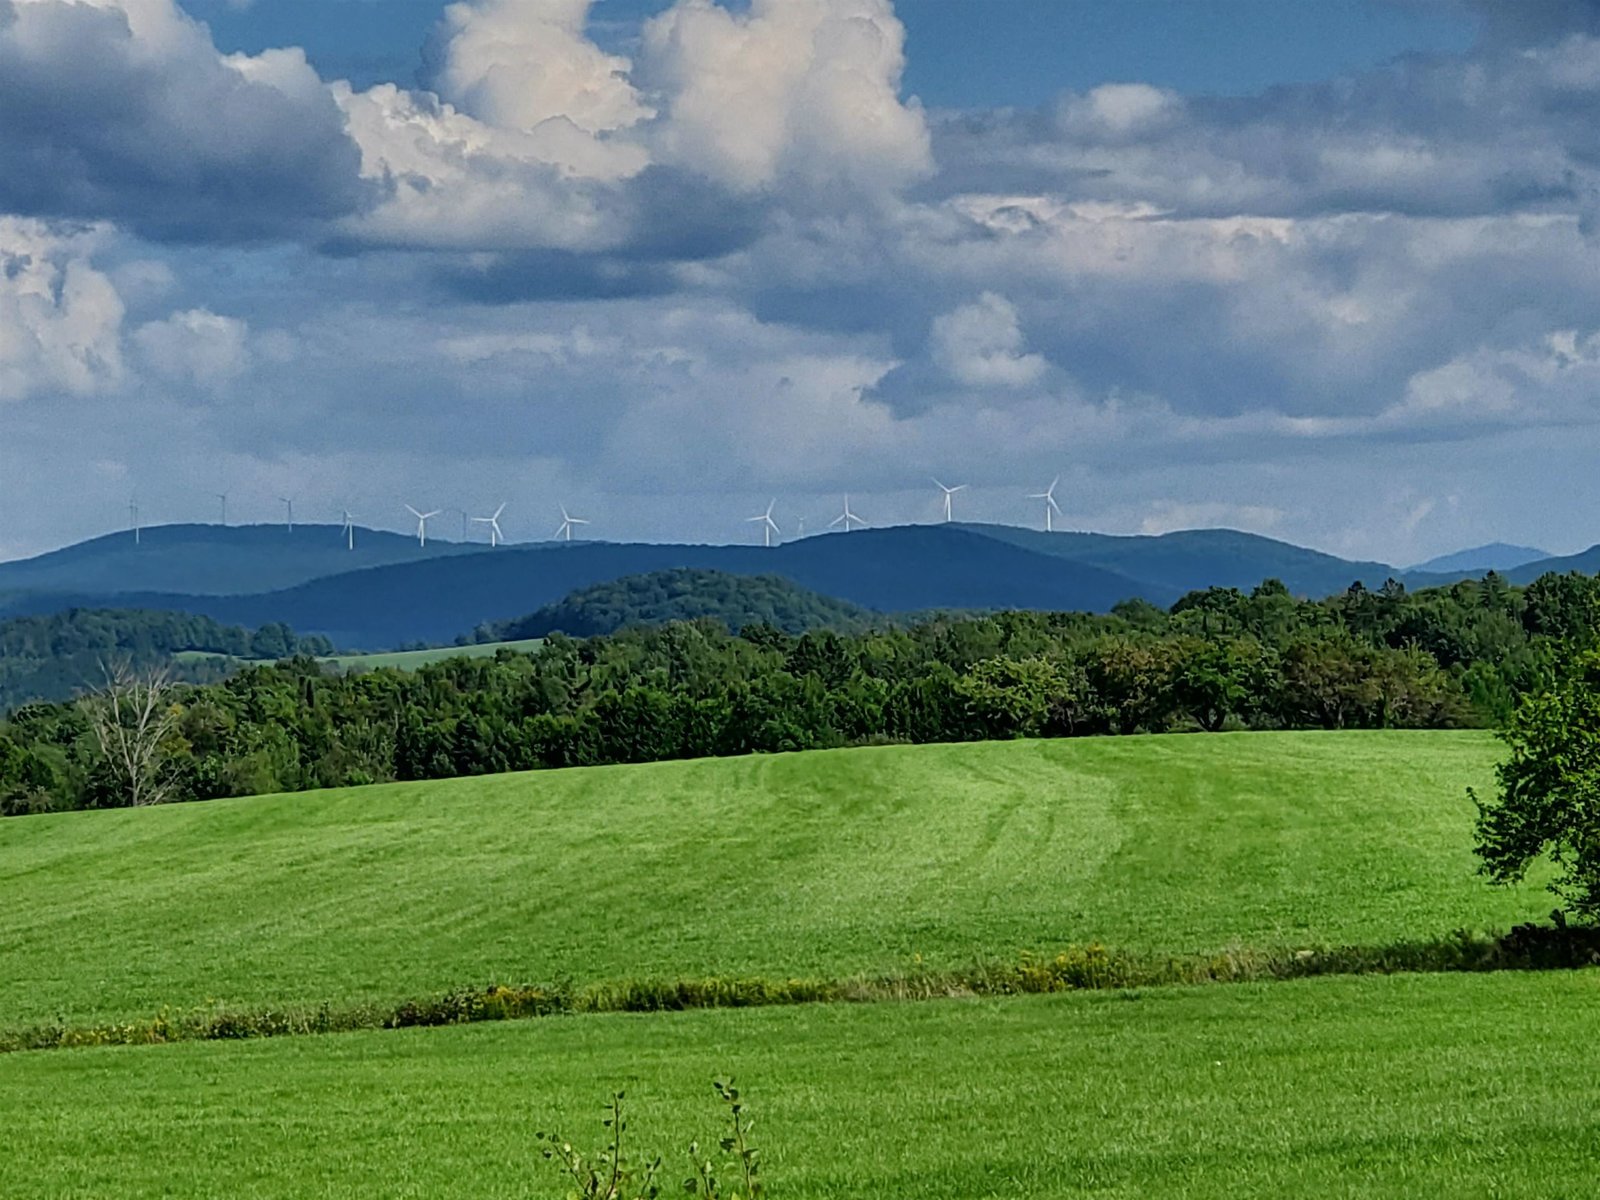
131 717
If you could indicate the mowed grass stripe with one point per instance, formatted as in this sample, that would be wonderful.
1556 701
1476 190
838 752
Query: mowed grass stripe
824 864
1374 1086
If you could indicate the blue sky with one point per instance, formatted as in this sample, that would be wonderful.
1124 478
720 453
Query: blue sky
1325 271
1027 51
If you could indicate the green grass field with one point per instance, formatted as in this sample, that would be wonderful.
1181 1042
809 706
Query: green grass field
831 863
410 660
405 660
1377 1086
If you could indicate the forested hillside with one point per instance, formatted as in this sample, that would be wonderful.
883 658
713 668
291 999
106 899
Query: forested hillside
685 594
1218 659
55 657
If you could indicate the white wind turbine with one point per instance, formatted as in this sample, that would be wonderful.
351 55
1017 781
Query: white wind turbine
223 496
495 536
948 492
133 518
847 518
1051 508
288 503
768 525
564 530
349 529
422 523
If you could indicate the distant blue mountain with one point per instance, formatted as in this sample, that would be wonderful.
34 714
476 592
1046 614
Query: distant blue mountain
1496 556
1199 558
390 591
214 560
434 600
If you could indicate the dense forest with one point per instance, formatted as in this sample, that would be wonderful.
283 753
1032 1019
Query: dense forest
685 594
1218 659
56 657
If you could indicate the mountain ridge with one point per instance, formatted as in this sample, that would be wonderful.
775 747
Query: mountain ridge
391 591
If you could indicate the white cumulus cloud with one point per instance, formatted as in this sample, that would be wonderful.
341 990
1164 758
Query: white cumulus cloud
60 317
802 89
981 345
195 346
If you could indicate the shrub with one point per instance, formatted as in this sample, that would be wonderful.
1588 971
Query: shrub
617 1172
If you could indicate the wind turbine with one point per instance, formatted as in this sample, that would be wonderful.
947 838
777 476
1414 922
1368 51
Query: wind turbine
564 530
223 496
133 517
422 523
847 517
948 492
768 525
349 529
1051 508
495 536
289 504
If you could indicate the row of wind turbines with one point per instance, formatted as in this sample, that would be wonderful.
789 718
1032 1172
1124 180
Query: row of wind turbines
846 521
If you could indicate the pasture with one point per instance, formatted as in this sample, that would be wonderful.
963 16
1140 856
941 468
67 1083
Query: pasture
403 660
820 864
1375 1086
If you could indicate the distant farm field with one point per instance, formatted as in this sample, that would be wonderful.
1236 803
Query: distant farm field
826 863
405 660
410 660
1442 1085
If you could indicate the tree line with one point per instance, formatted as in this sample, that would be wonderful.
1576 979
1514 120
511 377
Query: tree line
1218 659
57 656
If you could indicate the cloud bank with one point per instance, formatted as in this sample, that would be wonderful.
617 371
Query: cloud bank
737 257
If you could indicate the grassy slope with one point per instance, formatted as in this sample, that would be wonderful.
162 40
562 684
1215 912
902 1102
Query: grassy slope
405 660
824 863
410 660
1409 1085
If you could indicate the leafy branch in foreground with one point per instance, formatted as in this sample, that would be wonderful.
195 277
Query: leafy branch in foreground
614 1173
1549 795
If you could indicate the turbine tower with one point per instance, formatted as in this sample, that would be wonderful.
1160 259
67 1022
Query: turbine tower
495 536
768 525
223 496
564 530
288 503
948 492
133 518
349 529
422 523
847 518
1051 508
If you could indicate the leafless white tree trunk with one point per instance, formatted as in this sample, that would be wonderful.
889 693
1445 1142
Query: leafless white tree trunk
131 717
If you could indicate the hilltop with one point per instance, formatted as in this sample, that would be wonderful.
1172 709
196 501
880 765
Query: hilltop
734 601
212 560
1496 556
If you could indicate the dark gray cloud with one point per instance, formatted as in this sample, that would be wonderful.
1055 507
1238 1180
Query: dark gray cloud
153 130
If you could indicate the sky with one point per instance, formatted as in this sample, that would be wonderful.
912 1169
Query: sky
1324 270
